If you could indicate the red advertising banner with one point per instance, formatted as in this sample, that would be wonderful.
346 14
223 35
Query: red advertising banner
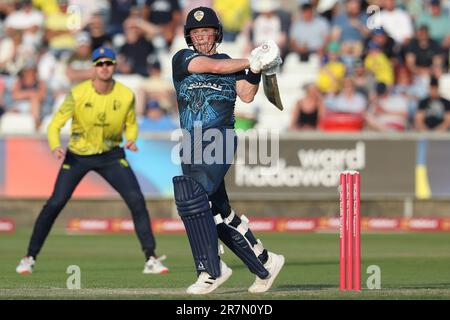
296 224
380 224
7 225
422 224
322 224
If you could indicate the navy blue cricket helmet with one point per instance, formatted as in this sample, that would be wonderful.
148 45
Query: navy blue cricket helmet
202 17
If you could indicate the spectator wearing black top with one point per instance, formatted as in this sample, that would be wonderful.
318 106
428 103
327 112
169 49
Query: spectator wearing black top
308 110
6 9
165 14
97 31
133 55
2 93
119 12
433 113
424 55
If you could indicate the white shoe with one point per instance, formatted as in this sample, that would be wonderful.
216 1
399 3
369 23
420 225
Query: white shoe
206 284
25 265
273 265
155 266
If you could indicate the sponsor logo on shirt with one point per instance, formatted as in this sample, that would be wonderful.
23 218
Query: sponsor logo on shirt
202 85
191 56
116 105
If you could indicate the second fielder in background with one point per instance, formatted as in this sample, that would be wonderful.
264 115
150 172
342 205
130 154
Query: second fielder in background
101 111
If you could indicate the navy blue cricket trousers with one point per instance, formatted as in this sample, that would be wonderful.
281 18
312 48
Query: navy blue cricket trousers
113 167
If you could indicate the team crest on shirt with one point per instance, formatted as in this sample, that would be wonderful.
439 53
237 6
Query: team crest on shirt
116 105
198 15
88 105
101 117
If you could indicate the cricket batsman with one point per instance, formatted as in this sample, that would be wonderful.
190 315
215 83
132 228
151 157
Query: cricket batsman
207 84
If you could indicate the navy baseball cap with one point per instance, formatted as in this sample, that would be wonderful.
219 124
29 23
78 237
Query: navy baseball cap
373 45
434 82
378 31
103 52
380 88
435 2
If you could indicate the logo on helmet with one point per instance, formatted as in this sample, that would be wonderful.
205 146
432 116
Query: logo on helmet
198 15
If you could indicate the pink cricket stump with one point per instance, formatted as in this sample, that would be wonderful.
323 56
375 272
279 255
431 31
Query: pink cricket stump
349 187
357 231
349 231
342 229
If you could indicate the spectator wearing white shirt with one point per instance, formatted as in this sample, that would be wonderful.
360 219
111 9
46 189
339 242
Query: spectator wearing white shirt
396 22
13 54
267 25
28 21
388 112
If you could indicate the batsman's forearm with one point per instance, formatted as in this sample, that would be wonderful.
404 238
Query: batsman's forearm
246 91
227 66
250 89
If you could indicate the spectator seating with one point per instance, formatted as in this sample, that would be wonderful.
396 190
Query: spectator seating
17 123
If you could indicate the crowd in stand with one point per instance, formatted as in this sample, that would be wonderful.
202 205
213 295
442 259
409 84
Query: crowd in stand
378 71
382 77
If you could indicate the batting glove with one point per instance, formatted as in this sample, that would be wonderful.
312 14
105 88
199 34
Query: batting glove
270 57
255 60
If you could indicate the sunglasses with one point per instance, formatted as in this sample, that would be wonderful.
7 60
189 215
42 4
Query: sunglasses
107 63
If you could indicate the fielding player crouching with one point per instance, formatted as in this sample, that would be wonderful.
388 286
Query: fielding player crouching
101 110
207 84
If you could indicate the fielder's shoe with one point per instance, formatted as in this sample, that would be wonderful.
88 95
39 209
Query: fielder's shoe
206 284
273 265
155 266
25 265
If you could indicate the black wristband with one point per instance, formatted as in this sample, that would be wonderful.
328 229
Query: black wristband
253 78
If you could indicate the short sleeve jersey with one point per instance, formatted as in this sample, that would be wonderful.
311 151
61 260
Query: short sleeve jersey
434 110
204 99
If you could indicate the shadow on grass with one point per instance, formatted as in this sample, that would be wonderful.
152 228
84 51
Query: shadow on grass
304 287
286 289
422 286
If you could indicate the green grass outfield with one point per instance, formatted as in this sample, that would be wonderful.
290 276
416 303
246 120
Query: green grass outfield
413 266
